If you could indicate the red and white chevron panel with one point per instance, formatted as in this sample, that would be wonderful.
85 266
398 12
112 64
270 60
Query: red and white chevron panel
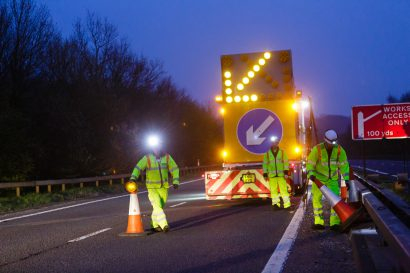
235 184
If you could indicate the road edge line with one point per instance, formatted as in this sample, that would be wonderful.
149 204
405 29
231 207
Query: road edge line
278 259
81 204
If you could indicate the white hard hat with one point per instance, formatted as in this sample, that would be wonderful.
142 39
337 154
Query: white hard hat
153 141
331 136
274 139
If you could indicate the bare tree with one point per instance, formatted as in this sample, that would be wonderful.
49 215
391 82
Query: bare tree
29 33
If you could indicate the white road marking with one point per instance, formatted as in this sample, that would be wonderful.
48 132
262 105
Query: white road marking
177 205
279 256
82 204
88 235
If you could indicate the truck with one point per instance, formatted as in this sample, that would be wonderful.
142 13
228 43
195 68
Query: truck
259 102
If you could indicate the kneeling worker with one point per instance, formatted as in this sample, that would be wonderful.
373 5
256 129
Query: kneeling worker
276 169
157 165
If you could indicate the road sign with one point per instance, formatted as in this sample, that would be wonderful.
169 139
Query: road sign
388 121
255 129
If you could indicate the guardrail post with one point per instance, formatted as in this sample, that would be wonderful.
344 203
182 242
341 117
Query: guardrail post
62 187
18 191
97 183
110 182
122 180
37 189
81 185
48 188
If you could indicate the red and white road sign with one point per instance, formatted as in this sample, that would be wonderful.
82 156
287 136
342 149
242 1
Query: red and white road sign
388 121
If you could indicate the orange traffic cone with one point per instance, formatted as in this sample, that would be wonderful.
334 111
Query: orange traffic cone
343 189
135 226
346 213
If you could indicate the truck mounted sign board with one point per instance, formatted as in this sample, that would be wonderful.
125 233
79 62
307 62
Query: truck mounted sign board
389 121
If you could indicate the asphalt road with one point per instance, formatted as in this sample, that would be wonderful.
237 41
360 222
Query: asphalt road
205 236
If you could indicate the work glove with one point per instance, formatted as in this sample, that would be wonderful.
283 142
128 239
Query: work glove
312 177
175 186
265 175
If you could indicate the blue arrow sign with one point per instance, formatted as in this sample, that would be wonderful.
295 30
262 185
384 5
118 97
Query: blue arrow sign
256 128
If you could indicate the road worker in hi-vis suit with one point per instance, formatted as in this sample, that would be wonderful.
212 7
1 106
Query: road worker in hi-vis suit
276 170
325 161
157 165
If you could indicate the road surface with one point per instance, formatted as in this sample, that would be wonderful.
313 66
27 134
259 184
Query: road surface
205 236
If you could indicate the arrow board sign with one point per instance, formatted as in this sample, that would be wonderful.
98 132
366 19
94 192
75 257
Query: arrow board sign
255 129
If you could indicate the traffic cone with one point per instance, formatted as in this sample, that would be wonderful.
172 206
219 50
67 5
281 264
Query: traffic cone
346 213
343 189
135 226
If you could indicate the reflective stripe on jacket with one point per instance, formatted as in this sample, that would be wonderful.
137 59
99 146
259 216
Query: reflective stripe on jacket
157 172
275 166
319 165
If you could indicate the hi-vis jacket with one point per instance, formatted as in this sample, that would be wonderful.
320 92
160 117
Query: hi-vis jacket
319 165
275 166
157 171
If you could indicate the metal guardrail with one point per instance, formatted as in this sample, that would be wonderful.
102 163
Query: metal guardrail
97 179
389 217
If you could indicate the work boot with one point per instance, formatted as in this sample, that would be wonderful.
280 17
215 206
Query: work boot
276 207
335 227
156 229
318 227
166 228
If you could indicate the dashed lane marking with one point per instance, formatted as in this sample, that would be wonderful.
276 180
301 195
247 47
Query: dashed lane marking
279 256
88 235
176 205
82 204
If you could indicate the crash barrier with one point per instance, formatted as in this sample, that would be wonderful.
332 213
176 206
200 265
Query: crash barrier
96 180
390 216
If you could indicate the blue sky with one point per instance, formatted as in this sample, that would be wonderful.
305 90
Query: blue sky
345 53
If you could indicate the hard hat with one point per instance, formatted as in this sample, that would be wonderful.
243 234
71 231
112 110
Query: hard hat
153 141
331 137
274 139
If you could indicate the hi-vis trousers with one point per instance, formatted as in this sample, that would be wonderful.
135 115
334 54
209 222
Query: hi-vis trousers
333 185
274 183
158 198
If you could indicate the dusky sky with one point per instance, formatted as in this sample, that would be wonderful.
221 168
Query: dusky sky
345 53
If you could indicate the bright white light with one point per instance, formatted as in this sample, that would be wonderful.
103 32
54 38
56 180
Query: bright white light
153 141
305 104
273 138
